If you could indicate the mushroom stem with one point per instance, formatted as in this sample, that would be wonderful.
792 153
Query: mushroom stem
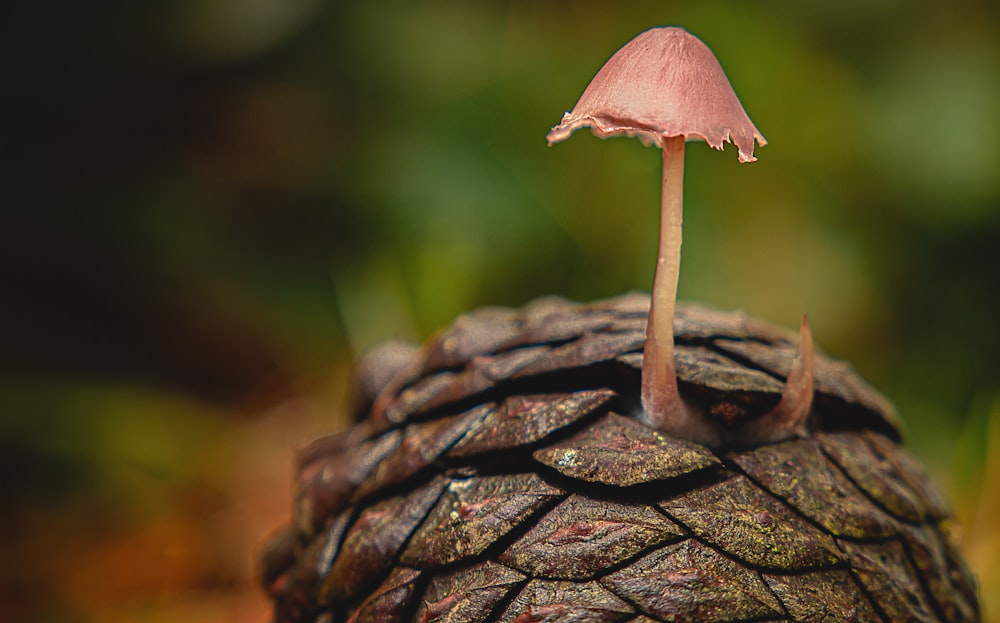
661 401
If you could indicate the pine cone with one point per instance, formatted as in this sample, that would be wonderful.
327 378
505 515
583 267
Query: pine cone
497 475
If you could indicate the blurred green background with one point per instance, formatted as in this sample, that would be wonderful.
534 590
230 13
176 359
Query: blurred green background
211 206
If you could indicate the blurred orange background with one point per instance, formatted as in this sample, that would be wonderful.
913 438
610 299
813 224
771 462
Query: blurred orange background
212 206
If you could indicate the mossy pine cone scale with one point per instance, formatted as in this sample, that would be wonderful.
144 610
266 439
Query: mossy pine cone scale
497 475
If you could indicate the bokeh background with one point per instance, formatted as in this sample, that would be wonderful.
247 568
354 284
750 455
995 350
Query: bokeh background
211 206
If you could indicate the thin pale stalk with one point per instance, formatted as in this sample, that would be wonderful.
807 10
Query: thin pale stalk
661 401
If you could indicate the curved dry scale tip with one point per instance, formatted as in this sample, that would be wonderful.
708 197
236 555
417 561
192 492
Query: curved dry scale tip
788 418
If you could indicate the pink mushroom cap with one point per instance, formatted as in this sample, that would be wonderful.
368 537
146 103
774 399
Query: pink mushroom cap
663 83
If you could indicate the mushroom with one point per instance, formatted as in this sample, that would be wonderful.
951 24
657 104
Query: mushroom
665 87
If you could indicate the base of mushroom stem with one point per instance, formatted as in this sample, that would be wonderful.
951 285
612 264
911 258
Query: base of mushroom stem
680 417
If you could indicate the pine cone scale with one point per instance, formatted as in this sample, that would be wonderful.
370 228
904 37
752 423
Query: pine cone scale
798 473
501 476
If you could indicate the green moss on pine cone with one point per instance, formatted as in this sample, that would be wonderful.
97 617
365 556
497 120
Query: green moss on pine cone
496 475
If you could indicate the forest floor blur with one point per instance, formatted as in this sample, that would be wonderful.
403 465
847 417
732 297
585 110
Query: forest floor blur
170 539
